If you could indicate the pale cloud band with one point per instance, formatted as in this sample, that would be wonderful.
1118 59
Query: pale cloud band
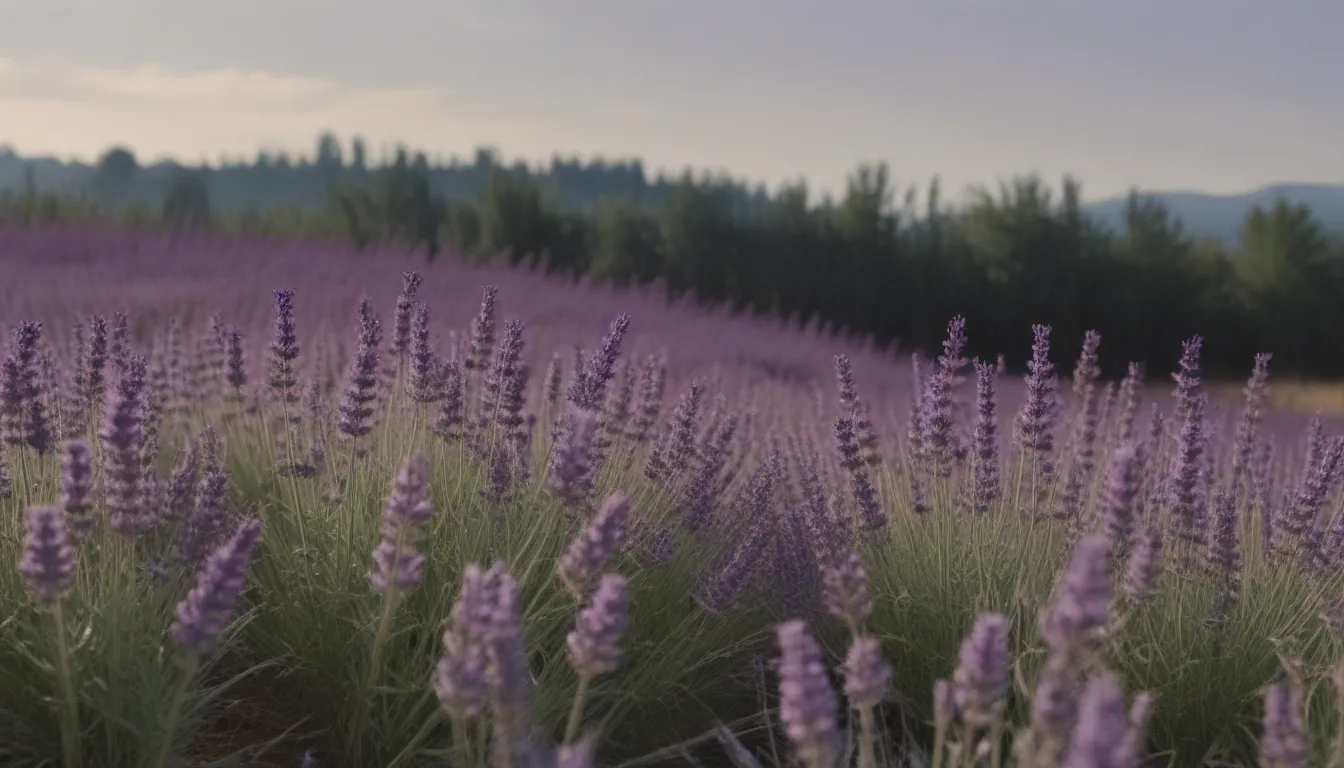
78 111
975 121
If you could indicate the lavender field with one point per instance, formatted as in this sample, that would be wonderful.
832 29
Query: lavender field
284 504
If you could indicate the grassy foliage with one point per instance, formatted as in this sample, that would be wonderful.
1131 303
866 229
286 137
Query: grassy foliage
318 661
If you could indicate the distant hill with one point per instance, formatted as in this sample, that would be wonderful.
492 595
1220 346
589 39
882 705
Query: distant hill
1221 215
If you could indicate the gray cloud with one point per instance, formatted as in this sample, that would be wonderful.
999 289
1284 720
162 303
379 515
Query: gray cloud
1221 94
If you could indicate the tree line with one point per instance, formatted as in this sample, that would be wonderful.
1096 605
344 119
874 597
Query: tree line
876 260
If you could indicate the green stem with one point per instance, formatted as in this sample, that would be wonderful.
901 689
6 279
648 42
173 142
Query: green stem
462 740
867 739
349 518
189 666
375 671
939 741
576 711
996 743
69 700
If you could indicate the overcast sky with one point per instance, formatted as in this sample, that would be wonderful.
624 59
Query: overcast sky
1215 95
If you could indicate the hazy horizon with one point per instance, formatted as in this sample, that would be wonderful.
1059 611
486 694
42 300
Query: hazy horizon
1208 97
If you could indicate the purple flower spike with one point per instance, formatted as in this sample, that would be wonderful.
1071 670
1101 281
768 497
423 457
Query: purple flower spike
209 607
284 345
594 644
1080 605
1099 737
460 680
396 564
845 591
1035 422
572 467
987 483
1122 487
589 552
77 488
1283 744
48 562
867 674
807 703
1145 566
981 678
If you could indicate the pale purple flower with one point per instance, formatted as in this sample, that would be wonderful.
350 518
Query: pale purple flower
807 703
1035 422
452 412
1131 388
572 469
594 546
1224 539
356 406
1099 736
981 677
402 326
510 682
95 366
211 604
1257 389
677 450
588 391
1122 488
652 382
845 591
482 340
1186 470
944 703
986 481
1283 742
121 439
77 488
594 643
1133 749
501 375
867 674
1079 609
423 384
48 562
406 515
1145 566
284 346
460 680
235 372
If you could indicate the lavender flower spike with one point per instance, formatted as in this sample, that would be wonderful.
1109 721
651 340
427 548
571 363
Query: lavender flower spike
981 678
1283 744
1145 566
460 679
1079 609
845 591
77 488
867 674
594 643
284 345
396 564
48 562
1122 487
572 468
209 607
987 484
1099 737
121 437
807 703
589 552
